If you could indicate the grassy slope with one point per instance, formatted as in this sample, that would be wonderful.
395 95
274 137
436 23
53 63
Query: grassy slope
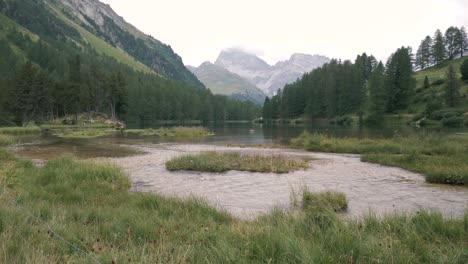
103 47
77 212
438 73
7 22
7 25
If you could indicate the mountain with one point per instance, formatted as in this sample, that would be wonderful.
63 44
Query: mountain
224 82
60 58
269 78
90 22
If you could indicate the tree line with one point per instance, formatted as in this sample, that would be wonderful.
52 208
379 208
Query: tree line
434 50
367 87
45 79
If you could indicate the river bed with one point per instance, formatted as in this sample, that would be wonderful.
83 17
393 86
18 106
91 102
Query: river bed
368 187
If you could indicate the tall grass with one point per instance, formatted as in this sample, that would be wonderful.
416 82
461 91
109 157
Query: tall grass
441 158
222 162
19 131
74 212
6 140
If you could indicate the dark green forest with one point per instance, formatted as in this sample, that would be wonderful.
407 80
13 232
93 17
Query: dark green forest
54 76
368 88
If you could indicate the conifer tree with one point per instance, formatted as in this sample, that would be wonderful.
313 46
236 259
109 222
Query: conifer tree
399 81
452 87
464 70
451 36
461 41
426 82
438 48
377 96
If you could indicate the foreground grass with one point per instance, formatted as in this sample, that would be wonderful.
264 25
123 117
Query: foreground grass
222 162
81 212
6 140
186 132
441 159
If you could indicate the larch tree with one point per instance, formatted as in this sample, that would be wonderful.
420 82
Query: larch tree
452 87
451 42
377 96
438 48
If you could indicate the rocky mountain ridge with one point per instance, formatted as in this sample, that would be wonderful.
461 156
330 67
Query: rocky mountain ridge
269 78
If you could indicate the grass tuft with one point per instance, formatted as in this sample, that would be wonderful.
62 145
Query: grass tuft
222 162
335 201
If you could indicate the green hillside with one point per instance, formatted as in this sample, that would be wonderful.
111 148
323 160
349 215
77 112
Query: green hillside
221 81
437 76
52 67
103 47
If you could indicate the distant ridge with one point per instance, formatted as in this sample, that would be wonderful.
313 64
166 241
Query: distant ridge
269 78
224 82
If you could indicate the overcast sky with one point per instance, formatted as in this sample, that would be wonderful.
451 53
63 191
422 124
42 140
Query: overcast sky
274 29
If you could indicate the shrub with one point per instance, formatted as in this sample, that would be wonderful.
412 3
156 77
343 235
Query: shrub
439 82
452 121
342 121
446 113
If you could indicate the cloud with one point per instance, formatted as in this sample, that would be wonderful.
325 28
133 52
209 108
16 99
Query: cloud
241 48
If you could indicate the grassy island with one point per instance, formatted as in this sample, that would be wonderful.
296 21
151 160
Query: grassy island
222 162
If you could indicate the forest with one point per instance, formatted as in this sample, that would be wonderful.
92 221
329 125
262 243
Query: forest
43 80
368 88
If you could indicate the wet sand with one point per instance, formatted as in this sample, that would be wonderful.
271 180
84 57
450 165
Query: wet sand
369 187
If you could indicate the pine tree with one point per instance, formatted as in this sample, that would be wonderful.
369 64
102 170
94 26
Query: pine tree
117 94
464 70
426 82
267 109
377 97
452 87
424 53
74 86
438 48
30 98
461 41
399 81
451 42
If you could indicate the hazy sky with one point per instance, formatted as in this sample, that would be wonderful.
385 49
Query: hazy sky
199 29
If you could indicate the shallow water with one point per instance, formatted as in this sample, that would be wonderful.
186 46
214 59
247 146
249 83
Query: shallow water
368 187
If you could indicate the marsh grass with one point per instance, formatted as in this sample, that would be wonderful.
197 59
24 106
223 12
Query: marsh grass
322 201
19 131
74 211
222 162
185 132
6 140
85 133
440 158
